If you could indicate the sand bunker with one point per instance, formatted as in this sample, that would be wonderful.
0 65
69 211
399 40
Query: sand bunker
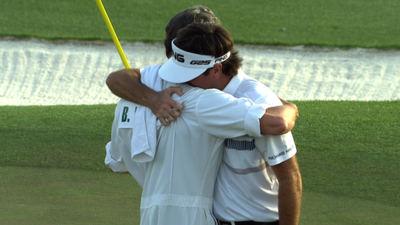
37 72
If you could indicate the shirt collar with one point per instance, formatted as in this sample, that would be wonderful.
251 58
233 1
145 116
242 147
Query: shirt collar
234 83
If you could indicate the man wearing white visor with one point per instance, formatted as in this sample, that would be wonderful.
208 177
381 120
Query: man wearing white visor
185 66
178 183
259 180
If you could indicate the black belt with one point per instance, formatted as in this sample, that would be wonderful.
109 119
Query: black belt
248 223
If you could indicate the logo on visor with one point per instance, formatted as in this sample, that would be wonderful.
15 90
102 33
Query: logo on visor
200 62
179 57
223 58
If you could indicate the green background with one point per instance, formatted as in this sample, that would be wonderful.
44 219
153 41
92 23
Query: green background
345 23
52 157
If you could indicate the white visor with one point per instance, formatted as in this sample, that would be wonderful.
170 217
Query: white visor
184 66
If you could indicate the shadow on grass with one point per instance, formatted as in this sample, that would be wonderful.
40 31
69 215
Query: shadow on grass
341 210
62 196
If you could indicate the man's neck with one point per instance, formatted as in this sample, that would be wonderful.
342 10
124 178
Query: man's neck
223 82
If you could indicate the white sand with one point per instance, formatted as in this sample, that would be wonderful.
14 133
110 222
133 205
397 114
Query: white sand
37 72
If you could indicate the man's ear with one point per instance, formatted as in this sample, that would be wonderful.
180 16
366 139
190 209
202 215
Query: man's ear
216 72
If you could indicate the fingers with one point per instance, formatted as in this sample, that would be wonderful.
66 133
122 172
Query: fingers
166 120
166 109
166 115
177 90
294 106
176 107
163 121
283 100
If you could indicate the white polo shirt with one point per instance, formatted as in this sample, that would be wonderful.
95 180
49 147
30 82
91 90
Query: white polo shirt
246 187
178 184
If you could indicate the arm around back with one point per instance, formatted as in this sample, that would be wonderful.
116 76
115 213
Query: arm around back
126 84
279 120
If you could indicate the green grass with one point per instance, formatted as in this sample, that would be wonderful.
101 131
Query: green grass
51 157
52 171
350 149
330 209
67 196
344 23
55 136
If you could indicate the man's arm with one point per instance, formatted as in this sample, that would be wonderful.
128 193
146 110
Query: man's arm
290 191
126 84
279 120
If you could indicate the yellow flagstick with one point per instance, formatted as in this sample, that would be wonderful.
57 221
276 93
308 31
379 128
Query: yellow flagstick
112 32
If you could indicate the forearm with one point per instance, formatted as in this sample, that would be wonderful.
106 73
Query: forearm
279 120
126 84
289 200
273 124
290 191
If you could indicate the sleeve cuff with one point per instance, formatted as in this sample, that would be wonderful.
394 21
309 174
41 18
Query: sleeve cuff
252 120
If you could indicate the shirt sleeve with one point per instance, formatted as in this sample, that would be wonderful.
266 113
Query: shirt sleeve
224 116
275 148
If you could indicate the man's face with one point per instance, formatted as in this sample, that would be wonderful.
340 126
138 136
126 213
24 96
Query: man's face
203 81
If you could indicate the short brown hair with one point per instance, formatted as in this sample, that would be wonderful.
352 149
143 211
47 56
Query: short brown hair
185 17
210 39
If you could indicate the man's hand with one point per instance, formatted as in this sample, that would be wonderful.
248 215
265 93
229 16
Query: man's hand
164 107
126 84
294 106
279 120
